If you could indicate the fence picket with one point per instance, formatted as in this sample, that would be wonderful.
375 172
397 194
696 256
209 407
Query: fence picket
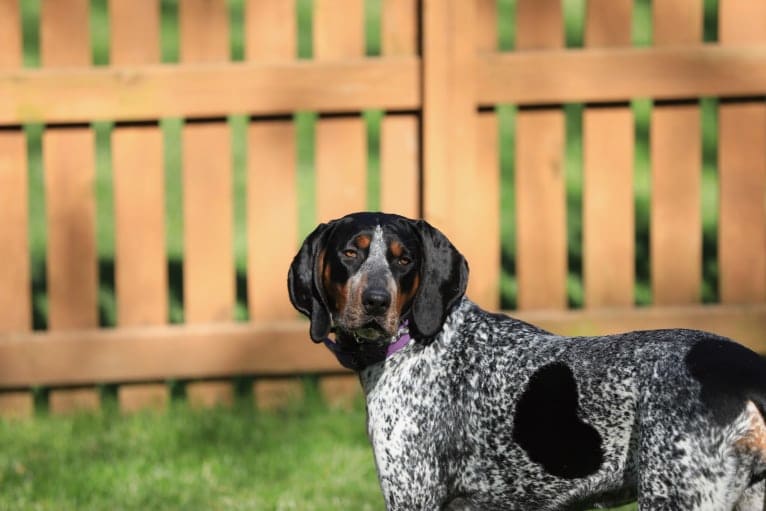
271 34
399 137
139 202
483 250
15 298
608 211
676 159
742 170
209 292
69 168
341 142
540 175
450 119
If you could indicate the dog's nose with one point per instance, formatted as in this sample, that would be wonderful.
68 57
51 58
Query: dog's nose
376 301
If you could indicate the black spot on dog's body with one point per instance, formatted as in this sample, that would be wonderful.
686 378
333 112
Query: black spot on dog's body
730 375
547 426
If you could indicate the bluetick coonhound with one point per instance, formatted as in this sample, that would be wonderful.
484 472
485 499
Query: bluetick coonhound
473 410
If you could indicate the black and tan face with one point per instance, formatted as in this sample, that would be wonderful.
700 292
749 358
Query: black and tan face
370 272
362 273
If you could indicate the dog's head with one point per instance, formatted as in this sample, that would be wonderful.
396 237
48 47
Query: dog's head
363 273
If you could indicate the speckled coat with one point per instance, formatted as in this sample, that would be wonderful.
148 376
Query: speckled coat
498 414
481 411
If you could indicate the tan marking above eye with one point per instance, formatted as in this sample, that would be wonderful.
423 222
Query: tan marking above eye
396 249
362 241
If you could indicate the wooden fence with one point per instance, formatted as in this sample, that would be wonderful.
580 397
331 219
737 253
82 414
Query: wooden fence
438 78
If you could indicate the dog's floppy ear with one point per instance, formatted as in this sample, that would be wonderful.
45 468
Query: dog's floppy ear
305 286
443 279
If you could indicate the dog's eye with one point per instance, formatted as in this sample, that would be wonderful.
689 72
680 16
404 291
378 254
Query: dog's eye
404 261
350 254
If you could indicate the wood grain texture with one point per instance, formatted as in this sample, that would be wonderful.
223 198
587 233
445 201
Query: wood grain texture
72 271
211 351
399 27
69 168
676 158
608 207
209 277
341 146
483 254
139 198
742 181
527 78
272 215
15 293
341 143
400 165
608 216
207 90
450 119
400 138
10 34
271 35
15 297
541 236
271 30
620 74
204 30
742 170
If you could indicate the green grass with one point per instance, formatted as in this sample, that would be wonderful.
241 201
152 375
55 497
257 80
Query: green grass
305 458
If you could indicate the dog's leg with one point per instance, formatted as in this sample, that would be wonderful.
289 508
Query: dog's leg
752 499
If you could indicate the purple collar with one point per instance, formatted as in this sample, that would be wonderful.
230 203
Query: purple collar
357 359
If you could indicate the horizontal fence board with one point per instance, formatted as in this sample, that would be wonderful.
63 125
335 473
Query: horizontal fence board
524 77
67 358
619 74
205 90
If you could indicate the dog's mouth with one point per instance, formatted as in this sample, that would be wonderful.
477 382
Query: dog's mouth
373 331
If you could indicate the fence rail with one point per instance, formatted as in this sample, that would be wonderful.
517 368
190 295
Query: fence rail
439 80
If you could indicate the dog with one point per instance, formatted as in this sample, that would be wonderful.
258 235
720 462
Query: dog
472 410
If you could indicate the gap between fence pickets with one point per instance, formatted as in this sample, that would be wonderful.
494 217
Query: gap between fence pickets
282 348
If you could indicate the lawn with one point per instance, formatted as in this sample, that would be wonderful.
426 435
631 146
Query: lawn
306 457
